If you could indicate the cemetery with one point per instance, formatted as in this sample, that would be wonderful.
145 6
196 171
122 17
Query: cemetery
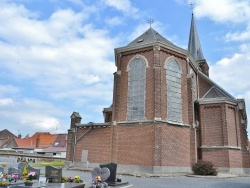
15 174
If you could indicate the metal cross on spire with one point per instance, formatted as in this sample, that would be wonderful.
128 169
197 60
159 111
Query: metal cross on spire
150 21
192 7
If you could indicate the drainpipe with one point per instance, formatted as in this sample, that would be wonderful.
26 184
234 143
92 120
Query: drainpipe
76 140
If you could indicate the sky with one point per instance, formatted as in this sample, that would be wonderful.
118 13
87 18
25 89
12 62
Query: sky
57 56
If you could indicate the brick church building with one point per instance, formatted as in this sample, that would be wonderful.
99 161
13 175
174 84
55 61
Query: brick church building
166 114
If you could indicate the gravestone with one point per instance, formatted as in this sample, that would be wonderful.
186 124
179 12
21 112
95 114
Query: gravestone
36 170
103 172
112 168
53 174
21 166
13 170
112 178
2 169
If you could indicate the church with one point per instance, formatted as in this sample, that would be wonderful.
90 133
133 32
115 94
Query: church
166 114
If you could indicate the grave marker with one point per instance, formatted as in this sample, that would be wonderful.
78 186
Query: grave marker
53 174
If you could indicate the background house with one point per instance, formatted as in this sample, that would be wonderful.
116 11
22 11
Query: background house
42 143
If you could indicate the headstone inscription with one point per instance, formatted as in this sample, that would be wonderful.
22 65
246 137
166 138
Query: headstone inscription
36 170
53 174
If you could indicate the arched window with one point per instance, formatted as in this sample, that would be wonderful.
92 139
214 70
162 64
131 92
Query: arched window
136 90
173 80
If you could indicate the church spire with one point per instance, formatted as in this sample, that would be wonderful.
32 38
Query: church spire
194 46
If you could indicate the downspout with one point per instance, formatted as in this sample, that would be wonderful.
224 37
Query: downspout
84 133
76 140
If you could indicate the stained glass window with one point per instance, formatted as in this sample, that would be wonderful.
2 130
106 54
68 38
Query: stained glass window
174 101
136 90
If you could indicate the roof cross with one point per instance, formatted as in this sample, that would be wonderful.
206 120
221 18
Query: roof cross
192 7
150 21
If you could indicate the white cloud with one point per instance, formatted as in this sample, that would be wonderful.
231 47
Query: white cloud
234 11
114 21
239 35
232 73
63 58
6 102
122 5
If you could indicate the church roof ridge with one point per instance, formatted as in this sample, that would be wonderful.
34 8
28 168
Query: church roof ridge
149 36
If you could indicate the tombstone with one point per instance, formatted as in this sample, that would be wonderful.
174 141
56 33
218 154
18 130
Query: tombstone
36 170
2 169
103 172
21 166
13 170
112 168
112 178
53 174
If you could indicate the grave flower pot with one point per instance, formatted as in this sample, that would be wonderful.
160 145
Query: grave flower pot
28 183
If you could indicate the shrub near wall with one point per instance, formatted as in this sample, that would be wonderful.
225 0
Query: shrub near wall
204 168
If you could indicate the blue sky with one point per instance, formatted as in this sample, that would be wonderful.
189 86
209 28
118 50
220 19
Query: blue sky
57 56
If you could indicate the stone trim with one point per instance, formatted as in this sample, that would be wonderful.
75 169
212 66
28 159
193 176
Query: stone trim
221 147
155 121
217 101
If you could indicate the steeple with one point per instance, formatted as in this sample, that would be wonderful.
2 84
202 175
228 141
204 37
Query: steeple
194 46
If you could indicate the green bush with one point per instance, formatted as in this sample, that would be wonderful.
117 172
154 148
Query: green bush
204 168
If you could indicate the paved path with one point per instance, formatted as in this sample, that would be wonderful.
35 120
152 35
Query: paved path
222 181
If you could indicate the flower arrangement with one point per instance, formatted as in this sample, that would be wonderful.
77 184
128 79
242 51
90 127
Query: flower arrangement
97 183
75 179
4 183
10 177
78 179
30 176
14 177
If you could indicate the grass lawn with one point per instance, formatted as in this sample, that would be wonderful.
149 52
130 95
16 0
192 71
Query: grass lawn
54 163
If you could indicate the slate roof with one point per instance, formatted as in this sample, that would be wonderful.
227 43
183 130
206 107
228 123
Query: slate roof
149 36
194 46
61 140
215 91
4 134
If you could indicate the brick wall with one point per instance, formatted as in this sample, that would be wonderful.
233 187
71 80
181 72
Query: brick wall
204 86
175 145
97 142
133 144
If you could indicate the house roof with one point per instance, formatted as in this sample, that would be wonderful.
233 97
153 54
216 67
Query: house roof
26 142
53 149
4 134
39 139
61 140
6 143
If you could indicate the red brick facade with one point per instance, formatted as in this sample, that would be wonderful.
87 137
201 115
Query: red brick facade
213 126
